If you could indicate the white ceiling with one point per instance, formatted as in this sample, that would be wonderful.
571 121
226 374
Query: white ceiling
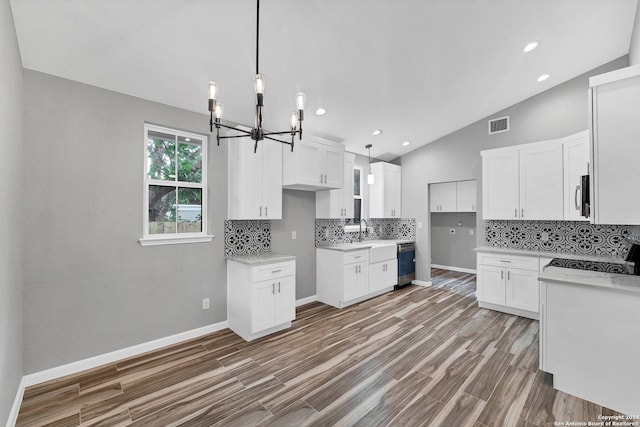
417 69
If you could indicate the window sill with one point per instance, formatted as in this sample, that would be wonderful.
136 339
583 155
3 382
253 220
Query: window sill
174 240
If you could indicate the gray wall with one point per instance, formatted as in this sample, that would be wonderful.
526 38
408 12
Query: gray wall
11 281
634 49
90 288
453 250
298 214
557 112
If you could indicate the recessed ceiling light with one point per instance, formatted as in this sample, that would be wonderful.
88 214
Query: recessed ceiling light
543 77
406 143
376 132
321 112
530 47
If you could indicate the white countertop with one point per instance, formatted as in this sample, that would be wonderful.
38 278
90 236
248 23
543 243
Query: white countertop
622 282
262 258
363 245
509 251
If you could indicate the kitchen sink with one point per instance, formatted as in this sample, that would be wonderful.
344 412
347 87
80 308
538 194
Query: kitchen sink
379 250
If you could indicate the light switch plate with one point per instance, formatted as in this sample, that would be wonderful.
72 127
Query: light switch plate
293 235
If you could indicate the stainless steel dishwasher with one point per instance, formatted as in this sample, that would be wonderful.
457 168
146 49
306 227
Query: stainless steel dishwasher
406 263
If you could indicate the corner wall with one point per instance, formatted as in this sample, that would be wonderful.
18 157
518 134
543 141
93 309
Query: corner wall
557 112
89 287
11 167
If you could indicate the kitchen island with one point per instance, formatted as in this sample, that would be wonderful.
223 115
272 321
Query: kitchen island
590 335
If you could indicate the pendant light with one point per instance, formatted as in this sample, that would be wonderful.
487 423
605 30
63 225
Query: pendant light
370 178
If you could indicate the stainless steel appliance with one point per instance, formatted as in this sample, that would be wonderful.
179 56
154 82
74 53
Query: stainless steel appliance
406 263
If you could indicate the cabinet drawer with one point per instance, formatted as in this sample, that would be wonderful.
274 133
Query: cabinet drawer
356 256
273 271
509 261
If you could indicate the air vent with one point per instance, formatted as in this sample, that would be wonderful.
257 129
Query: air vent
499 125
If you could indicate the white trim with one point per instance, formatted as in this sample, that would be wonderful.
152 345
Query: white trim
114 356
615 75
307 300
172 239
421 283
458 269
509 310
15 409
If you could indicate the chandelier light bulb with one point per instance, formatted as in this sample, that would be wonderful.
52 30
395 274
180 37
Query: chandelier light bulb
213 90
293 119
301 98
218 112
258 83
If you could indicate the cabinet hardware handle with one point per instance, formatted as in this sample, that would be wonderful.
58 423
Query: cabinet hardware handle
325 178
575 197
320 178
504 260
273 288
356 269
276 271
265 211
473 207
522 213
502 274
515 212
508 275
279 287
359 256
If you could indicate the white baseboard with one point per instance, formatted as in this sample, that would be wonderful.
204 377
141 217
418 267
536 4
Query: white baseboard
421 283
15 409
307 300
458 269
114 356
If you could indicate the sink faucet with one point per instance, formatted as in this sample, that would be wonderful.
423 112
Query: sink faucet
366 229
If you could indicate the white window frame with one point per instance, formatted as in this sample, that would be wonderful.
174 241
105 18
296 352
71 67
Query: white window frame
169 239
356 227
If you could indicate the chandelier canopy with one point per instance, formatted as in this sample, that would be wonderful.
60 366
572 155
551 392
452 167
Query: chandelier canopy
257 133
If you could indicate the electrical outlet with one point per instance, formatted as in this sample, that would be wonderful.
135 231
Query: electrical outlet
205 303
420 225
452 231
293 235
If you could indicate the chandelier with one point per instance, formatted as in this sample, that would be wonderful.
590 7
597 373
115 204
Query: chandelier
257 133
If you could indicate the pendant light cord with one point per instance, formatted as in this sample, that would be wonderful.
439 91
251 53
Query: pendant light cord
257 33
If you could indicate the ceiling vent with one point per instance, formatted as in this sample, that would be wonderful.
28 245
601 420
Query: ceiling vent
499 125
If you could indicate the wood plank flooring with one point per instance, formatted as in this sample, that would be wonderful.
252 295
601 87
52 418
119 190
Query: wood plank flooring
414 357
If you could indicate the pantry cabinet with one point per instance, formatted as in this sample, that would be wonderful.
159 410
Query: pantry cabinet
338 203
615 130
255 180
384 193
314 164
458 196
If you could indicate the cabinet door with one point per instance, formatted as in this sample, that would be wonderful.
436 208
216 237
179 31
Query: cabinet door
576 164
245 178
448 197
541 187
285 300
263 307
466 196
350 281
616 131
308 164
491 284
362 286
347 185
333 167
392 190
382 275
500 192
271 179
522 289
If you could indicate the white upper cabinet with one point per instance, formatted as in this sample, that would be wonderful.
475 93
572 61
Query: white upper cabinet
615 130
576 164
255 180
500 188
314 164
523 182
541 189
338 203
384 193
457 196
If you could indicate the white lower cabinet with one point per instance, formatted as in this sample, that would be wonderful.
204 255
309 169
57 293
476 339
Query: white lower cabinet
508 283
346 277
261 298
383 274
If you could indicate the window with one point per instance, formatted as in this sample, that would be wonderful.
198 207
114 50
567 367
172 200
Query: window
357 195
175 189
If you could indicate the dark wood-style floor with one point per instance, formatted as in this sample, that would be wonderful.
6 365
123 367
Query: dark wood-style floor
417 356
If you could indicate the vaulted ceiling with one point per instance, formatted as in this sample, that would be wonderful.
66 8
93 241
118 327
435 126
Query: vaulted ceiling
416 69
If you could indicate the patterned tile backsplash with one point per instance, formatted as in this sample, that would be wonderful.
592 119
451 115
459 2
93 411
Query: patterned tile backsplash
561 236
247 237
331 231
